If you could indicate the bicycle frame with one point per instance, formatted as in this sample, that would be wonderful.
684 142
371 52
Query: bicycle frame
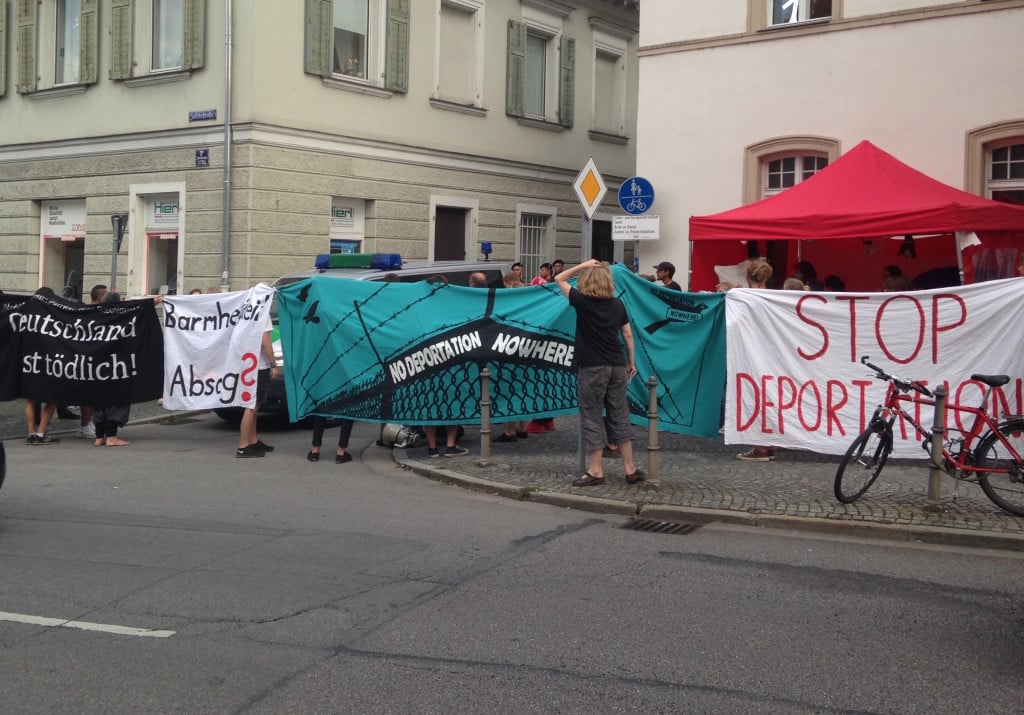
957 464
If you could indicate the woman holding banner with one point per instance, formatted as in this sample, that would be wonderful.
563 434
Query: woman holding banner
319 425
758 274
108 419
604 371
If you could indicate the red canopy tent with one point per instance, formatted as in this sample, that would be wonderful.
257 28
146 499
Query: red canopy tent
865 194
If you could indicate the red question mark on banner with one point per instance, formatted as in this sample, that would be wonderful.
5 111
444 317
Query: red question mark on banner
246 375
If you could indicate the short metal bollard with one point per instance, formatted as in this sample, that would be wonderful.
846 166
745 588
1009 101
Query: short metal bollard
938 440
652 431
485 419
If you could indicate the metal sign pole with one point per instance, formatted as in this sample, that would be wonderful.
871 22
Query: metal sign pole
582 458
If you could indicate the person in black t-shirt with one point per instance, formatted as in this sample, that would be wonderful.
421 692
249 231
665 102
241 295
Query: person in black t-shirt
604 371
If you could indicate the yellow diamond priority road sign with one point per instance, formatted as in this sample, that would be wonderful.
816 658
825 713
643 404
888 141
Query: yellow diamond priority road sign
590 188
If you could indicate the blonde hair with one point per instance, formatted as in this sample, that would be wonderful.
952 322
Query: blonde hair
759 272
794 284
511 280
596 282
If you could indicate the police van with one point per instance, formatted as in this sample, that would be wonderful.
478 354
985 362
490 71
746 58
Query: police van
389 267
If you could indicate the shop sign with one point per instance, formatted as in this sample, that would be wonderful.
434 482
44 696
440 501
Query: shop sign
63 219
163 215
347 218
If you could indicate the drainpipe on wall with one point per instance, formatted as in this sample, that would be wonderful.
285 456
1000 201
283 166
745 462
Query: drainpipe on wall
226 198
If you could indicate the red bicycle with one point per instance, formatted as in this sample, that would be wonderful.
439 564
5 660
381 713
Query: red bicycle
988 453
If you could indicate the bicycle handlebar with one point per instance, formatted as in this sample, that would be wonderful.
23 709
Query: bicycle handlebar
901 385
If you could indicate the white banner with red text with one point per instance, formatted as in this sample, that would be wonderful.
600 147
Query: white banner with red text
795 379
212 346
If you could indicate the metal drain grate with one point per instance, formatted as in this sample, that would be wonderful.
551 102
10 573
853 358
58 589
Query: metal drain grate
660 527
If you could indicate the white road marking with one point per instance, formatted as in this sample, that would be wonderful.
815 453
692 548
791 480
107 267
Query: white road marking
83 625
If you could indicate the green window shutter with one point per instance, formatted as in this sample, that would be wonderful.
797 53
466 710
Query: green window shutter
27 46
319 23
3 47
89 54
122 24
566 81
396 65
515 68
194 40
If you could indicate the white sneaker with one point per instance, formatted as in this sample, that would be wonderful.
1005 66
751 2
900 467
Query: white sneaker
87 432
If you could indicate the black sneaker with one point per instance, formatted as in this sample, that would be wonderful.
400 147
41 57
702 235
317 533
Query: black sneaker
434 454
250 451
262 446
456 451
505 438
44 440
32 439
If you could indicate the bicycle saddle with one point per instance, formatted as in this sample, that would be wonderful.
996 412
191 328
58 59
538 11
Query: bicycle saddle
992 380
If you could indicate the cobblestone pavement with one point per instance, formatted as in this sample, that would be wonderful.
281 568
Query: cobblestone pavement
702 479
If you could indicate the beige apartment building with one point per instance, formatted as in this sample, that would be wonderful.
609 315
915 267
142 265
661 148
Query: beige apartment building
742 99
239 139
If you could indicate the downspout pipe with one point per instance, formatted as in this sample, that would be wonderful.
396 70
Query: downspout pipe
225 249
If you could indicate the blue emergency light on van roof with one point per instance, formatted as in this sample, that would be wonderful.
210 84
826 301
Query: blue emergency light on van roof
386 261
380 261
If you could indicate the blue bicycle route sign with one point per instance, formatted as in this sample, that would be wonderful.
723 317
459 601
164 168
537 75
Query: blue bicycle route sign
636 195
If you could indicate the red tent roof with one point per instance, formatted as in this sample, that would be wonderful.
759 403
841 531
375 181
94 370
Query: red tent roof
864 193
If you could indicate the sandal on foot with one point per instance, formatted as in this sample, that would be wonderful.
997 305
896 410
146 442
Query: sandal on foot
313 456
587 480
342 458
636 477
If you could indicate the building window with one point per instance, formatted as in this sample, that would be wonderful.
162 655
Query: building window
68 45
156 38
354 20
57 42
607 92
535 241
541 67
609 85
359 42
1006 172
535 89
168 34
459 67
787 171
785 12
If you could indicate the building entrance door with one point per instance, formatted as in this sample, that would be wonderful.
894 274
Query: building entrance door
449 234
74 266
601 246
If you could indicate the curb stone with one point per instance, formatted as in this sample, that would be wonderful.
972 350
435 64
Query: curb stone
701 515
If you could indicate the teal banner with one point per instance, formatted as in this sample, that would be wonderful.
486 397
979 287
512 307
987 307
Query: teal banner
412 353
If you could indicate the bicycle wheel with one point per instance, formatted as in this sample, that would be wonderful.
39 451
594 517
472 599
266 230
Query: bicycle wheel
1004 485
863 462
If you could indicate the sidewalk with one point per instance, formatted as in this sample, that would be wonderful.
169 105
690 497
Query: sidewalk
700 481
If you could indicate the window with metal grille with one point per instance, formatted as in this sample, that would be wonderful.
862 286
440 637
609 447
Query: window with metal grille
533 243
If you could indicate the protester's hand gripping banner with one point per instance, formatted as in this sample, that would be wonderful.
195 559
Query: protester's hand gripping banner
212 348
52 350
795 377
413 352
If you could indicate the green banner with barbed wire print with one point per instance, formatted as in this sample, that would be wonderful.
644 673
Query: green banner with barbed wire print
413 352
